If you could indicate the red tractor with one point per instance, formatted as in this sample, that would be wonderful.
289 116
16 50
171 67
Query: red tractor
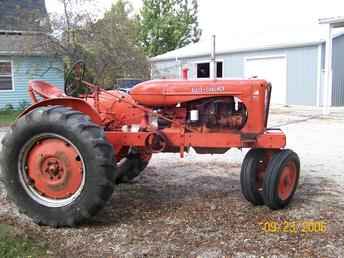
65 153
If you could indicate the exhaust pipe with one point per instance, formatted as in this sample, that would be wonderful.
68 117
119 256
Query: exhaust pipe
213 66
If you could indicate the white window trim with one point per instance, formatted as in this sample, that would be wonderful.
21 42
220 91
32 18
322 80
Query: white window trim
12 74
248 58
194 64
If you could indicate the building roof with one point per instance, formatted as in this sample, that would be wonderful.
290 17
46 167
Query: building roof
249 42
24 43
336 22
23 15
22 27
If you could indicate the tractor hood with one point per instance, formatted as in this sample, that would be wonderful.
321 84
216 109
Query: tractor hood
172 92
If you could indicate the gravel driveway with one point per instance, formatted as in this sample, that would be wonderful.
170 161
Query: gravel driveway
193 207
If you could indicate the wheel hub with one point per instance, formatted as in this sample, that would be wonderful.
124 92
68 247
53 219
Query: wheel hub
54 168
287 181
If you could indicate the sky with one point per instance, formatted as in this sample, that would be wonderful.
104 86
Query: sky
231 18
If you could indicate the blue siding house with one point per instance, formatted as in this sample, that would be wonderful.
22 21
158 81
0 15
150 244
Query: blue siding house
24 53
17 71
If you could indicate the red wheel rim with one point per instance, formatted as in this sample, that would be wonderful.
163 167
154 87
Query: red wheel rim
287 181
52 170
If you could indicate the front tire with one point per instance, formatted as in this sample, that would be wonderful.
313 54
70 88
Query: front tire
281 179
252 176
57 166
132 166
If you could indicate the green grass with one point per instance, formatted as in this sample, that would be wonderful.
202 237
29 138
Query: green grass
13 245
8 117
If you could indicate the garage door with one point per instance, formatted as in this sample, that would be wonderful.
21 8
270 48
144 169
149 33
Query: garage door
273 69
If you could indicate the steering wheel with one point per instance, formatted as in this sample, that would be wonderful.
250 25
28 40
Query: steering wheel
73 84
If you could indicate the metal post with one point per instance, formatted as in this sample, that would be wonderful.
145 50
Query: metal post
213 65
185 73
327 98
179 68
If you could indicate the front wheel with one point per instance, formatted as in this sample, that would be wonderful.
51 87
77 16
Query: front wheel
281 179
132 166
57 166
252 176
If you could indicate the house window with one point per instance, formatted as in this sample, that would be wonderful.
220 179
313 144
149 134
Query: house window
203 70
6 76
219 69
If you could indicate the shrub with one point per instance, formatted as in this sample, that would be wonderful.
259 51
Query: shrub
23 105
8 107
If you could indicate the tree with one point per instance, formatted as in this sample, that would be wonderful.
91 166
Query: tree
67 30
168 24
113 45
107 45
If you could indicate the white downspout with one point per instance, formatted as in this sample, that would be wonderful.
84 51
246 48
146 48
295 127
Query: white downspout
327 98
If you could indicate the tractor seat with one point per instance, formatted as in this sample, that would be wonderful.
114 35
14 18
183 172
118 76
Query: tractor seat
45 90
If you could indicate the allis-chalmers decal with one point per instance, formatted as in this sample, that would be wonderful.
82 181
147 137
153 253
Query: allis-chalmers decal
208 89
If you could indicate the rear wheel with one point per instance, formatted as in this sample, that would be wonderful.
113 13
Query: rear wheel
281 179
57 166
252 176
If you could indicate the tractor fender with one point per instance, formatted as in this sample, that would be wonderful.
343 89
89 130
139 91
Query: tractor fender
74 103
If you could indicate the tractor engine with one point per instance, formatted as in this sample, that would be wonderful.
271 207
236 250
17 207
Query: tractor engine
206 115
217 113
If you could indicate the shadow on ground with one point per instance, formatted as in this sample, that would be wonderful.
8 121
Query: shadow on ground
168 211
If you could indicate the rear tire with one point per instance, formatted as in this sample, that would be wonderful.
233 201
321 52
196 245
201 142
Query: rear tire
250 181
54 187
281 179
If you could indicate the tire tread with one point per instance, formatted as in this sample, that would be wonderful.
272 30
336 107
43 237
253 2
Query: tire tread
95 145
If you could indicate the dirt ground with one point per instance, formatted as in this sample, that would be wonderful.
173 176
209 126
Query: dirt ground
193 207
